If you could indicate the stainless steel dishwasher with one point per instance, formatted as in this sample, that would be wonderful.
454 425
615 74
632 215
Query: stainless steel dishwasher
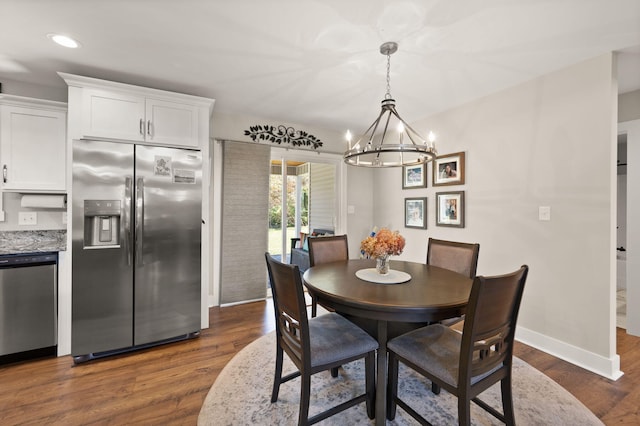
28 305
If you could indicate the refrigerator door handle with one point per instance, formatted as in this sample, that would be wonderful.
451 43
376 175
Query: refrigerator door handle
139 220
128 241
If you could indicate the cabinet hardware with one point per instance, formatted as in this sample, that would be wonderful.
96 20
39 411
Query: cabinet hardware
149 128
142 127
139 231
4 173
128 189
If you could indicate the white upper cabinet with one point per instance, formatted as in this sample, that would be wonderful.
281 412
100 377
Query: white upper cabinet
32 144
117 111
171 123
112 115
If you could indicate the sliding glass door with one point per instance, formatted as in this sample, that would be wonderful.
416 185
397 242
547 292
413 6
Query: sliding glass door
288 205
303 196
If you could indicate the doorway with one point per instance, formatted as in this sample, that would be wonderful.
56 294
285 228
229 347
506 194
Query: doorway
629 236
305 193
288 205
621 234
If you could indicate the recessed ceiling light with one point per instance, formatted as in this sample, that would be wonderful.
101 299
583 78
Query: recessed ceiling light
64 40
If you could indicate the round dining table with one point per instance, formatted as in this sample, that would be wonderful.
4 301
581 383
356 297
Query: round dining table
413 295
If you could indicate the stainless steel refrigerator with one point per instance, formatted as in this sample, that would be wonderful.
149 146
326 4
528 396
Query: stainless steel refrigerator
136 247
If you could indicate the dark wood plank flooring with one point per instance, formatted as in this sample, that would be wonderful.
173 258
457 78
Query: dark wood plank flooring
167 385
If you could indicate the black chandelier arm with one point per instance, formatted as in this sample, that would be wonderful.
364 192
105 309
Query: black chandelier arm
282 134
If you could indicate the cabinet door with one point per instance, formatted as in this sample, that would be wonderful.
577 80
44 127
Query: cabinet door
172 123
33 148
113 115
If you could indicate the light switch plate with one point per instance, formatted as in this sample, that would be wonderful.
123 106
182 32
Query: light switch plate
544 213
27 218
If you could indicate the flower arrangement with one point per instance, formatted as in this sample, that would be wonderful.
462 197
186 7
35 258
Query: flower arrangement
383 243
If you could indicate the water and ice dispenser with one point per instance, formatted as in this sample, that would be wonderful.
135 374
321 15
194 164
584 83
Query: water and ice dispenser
102 223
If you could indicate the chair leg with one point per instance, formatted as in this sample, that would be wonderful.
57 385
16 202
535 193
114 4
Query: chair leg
370 383
334 372
305 395
435 388
392 386
278 375
507 401
464 410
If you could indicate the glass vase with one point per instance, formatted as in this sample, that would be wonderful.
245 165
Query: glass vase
382 264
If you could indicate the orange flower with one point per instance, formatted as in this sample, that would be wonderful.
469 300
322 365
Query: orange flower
385 242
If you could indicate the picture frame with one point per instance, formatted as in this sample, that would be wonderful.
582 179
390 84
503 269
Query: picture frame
415 212
450 209
449 169
414 176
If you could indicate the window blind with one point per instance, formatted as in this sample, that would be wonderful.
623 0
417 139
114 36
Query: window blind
245 191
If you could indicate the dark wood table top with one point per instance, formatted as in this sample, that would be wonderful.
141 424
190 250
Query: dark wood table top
432 293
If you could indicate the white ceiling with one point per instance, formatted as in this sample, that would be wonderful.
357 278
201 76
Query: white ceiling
317 62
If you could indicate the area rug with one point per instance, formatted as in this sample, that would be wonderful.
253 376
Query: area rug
241 395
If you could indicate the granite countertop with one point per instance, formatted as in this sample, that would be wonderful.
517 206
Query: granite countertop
32 241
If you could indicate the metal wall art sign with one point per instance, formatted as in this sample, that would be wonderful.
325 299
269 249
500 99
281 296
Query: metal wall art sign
283 134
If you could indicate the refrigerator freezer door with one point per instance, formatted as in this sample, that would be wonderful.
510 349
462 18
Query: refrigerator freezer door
167 265
102 284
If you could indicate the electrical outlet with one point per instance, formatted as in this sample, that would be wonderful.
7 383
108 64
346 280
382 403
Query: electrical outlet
27 218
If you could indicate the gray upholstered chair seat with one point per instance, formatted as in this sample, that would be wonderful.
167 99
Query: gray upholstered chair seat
335 337
435 348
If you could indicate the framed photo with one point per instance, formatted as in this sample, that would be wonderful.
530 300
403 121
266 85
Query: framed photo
414 177
448 169
415 213
450 209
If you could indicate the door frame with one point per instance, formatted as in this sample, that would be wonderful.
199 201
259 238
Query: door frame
632 130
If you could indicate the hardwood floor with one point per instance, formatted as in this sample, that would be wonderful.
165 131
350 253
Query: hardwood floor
167 385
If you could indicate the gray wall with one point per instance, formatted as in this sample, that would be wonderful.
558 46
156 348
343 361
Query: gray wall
629 106
548 142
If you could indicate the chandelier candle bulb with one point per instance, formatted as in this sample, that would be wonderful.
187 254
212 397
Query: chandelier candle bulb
432 139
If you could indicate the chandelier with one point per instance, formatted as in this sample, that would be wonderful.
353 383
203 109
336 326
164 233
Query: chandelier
372 151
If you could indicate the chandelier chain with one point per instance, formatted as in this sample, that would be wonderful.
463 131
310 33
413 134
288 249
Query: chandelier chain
388 94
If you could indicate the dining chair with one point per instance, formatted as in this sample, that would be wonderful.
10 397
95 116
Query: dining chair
315 344
457 257
325 250
454 256
465 364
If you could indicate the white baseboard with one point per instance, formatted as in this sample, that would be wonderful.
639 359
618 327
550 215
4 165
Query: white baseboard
606 367
224 305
